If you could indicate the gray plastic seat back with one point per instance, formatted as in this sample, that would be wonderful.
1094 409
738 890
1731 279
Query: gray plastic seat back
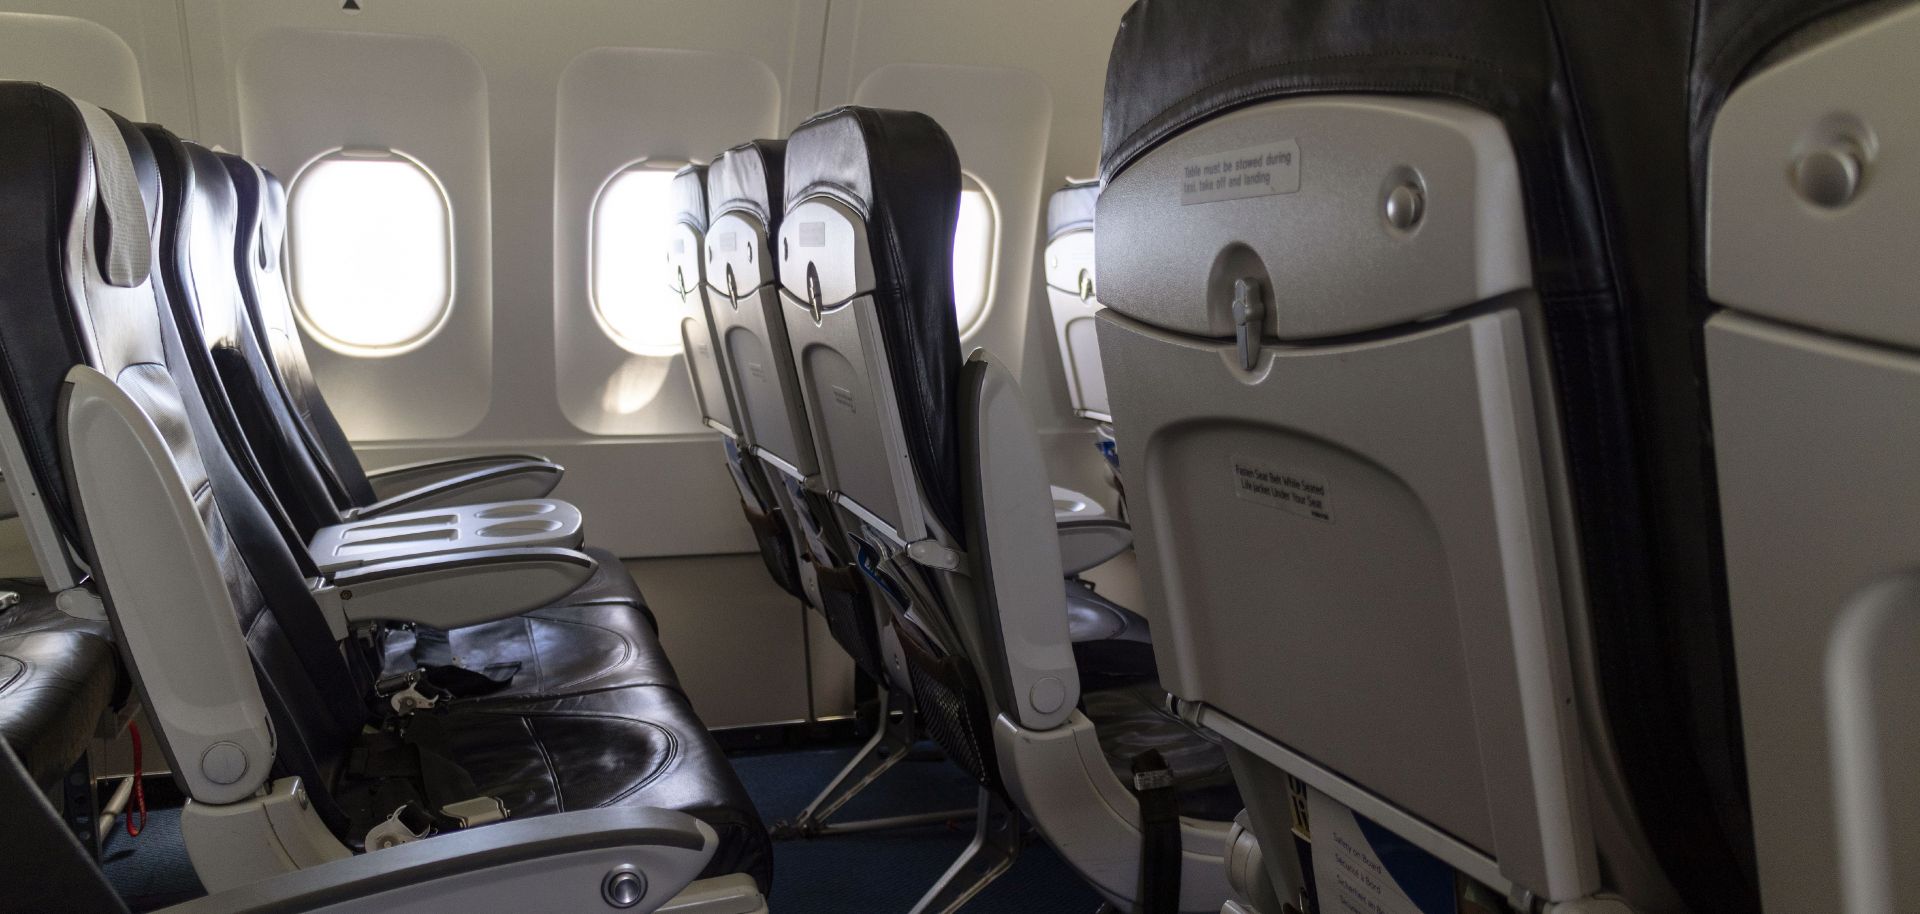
1070 295
1809 174
743 295
1347 529
854 306
687 290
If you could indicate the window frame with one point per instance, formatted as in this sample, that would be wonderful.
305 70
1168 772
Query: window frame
650 164
307 323
989 283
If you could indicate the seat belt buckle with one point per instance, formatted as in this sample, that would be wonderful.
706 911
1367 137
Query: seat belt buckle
403 692
1152 779
477 811
407 825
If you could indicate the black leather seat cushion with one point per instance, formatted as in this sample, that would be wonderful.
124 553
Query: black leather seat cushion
1133 719
58 675
1111 644
601 636
638 745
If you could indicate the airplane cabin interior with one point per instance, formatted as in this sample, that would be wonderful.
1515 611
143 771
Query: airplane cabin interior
1087 456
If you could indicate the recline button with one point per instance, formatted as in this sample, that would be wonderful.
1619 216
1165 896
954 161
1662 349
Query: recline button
624 887
1828 177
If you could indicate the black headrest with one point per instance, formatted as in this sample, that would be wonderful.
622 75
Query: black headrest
197 239
262 217
1176 63
45 153
1070 209
898 169
747 179
690 197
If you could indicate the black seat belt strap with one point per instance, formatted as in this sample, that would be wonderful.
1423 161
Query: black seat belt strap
1159 835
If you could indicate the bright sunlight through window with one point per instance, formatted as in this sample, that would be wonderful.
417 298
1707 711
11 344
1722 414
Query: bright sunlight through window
631 286
368 233
972 255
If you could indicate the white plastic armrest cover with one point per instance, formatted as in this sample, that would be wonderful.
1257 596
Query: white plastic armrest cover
1088 544
461 480
1010 504
557 862
175 616
533 522
459 589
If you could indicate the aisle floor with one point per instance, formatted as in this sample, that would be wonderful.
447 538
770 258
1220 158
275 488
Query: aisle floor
870 873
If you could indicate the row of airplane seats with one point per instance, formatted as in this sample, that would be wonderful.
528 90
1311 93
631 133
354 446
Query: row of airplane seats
302 679
914 482
1507 405
1416 374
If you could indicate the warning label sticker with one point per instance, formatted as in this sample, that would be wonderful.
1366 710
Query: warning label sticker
1304 494
1255 171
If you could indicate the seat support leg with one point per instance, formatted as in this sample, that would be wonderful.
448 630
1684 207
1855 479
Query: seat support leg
996 842
892 739
78 805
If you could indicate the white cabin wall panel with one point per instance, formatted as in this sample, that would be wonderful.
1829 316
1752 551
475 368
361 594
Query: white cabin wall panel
124 55
648 498
80 57
302 93
695 104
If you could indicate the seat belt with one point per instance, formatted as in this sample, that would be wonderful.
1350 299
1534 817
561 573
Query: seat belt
437 674
414 776
1159 835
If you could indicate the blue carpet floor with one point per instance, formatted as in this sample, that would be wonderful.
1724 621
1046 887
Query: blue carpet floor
885 872
871 873
151 871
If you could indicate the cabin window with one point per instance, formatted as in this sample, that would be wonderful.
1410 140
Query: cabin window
973 249
632 289
370 246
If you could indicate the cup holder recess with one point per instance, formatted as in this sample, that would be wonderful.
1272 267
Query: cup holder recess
520 509
530 527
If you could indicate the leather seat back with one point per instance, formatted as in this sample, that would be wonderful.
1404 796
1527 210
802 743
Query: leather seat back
1070 294
200 268
1366 272
263 287
1804 131
93 357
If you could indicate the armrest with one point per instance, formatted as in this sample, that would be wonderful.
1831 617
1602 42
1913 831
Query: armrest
524 524
558 862
453 590
462 480
1090 543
